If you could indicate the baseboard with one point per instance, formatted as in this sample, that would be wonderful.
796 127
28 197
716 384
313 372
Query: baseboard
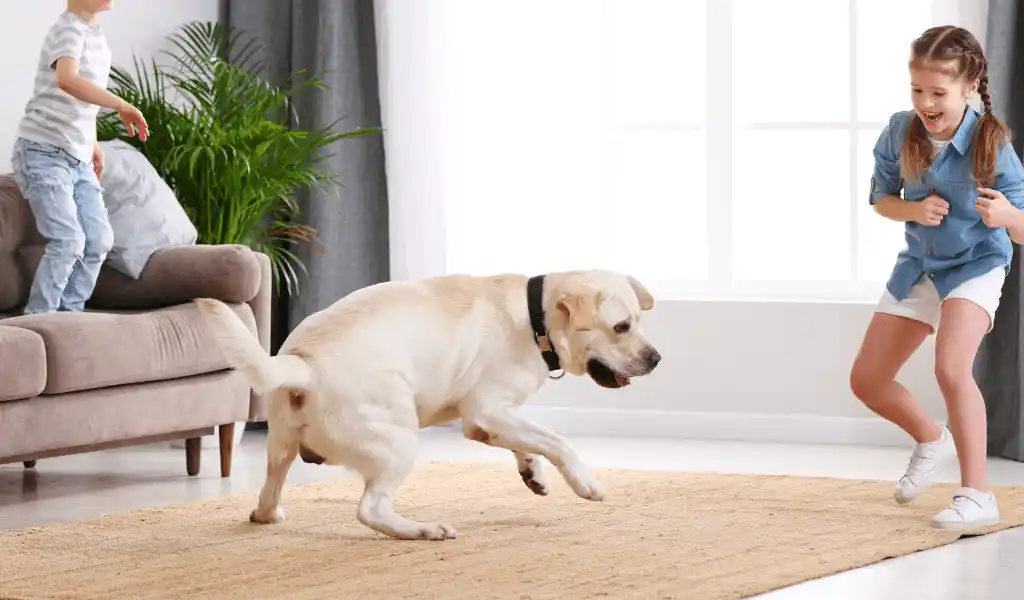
746 427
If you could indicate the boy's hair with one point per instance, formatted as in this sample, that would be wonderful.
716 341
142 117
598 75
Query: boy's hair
958 45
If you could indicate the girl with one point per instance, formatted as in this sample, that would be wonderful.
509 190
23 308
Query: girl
963 190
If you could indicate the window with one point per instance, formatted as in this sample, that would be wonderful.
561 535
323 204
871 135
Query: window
712 148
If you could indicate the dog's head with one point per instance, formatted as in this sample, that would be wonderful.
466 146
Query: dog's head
594 323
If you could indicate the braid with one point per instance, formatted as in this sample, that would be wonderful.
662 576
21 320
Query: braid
991 136
986 99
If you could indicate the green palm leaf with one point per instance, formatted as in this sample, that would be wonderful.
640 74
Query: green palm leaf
227 142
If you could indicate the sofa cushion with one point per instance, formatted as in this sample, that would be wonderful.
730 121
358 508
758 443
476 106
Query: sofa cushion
22 364
90 350
230 273
144 213
17 230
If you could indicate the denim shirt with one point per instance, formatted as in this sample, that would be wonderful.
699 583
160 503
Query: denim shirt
961 247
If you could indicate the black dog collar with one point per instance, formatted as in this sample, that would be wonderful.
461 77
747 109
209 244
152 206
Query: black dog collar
535 305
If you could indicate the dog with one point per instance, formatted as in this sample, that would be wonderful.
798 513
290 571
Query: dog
353 383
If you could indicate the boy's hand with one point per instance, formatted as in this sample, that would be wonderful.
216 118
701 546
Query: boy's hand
98 162
133 120
931 210
994 208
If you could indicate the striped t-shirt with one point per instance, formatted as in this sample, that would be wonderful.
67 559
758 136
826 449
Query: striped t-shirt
52 115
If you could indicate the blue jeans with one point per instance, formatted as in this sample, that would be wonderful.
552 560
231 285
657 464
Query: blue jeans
67 202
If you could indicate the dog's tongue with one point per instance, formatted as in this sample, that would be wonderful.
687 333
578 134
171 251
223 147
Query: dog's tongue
621 379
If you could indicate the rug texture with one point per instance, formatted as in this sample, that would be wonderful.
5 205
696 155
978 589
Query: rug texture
657 535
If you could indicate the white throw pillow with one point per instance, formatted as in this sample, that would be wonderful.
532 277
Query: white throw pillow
144 213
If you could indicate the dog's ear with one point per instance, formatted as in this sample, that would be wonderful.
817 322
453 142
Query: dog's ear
581 310
642 295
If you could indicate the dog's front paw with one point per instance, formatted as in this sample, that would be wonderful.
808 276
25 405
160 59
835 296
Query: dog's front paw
277 516
585 485
533 477
437 531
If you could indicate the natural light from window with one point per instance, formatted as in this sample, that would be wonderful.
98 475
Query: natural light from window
714 149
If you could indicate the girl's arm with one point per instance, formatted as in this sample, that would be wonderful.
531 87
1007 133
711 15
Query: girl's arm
1010 184
896 208
1016 227
928 212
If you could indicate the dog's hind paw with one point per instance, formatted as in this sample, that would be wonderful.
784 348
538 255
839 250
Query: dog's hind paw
276 517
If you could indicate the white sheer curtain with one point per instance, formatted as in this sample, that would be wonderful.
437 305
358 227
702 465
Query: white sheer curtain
412 67
712 148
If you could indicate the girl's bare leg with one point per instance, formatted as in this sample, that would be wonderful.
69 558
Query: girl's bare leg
961 330
891 340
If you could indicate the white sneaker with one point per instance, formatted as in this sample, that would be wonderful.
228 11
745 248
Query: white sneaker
970 509
926 463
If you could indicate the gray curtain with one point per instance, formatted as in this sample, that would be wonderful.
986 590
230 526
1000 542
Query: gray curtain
999 369
337 38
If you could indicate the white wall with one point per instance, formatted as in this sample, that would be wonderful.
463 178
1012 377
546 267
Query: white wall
767 371
134 27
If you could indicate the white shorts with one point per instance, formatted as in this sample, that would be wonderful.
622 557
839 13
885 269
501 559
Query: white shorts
923 304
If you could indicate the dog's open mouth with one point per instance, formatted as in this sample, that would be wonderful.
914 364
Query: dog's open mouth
605 376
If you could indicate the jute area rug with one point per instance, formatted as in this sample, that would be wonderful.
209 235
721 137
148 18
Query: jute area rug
657 535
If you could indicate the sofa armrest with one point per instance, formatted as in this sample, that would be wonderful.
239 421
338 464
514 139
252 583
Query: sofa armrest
230 273
261 306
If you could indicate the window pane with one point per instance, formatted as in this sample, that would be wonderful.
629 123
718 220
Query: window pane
655 52
791 206
518 141
791 60
656 225
879 240
885 30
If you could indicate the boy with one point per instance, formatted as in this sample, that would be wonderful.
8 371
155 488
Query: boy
57 160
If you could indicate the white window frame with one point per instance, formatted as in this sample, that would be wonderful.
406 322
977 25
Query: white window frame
720 163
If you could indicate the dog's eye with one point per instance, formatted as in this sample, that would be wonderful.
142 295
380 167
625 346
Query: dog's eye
622 327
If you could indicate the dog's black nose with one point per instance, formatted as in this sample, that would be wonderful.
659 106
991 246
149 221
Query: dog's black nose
653 358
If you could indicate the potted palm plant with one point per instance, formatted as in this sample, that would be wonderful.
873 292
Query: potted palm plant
228 142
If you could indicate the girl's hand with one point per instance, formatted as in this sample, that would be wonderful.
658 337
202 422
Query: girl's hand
994 208
931 211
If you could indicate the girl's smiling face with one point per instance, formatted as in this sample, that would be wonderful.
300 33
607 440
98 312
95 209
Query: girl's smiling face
939 97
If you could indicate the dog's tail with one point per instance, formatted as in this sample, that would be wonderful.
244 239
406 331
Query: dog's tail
243 351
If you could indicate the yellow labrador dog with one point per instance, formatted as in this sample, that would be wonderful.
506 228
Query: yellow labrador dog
354 383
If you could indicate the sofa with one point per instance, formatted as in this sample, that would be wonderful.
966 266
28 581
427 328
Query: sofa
136 367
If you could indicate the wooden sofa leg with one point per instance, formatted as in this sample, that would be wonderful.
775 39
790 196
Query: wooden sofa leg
193 447
227 440
30 464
